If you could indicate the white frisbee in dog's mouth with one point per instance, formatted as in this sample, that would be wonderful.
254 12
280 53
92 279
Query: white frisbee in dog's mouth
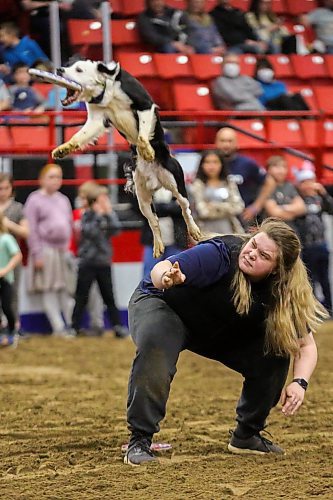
73 88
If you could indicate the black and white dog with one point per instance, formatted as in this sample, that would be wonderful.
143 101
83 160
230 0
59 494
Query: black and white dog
114 97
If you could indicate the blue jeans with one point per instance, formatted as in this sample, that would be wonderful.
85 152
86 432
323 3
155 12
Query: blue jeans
149 260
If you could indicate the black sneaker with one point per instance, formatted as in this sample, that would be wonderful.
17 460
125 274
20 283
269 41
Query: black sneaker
256 445
139 451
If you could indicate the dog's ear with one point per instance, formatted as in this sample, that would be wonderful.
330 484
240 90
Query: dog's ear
102 68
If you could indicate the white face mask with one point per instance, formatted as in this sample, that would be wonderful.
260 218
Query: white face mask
266 75
231 70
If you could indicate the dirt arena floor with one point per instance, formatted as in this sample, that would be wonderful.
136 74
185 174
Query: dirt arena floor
63 423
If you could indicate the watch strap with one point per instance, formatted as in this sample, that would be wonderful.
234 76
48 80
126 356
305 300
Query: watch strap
302 382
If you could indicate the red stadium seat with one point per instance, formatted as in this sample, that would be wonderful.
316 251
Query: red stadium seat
124 32
176 4
31 137
132 7
247 64
327 175
285 132
42 88
279 7
297 7
329 64
116 6
309 66
192 97
315 132
324 96
6 140
206 66
307 93
139 64
170 66
254 127
282 66
84 32
240 4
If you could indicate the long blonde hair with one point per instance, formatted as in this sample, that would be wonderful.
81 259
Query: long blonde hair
294 311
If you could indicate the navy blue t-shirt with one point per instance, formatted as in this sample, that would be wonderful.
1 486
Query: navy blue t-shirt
248 176
202 265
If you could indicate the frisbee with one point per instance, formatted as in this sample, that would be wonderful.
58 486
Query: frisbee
48 77
157 447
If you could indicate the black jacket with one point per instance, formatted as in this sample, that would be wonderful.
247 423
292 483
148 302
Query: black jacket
161 30
232 25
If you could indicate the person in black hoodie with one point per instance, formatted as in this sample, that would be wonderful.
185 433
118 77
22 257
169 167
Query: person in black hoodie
245 301
164 28
237 34
99 222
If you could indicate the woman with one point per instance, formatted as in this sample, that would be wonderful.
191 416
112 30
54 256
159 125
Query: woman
245 301
269 28
49 214
216 197
16 224
202 32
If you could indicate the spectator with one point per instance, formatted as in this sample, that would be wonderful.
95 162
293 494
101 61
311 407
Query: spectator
16 224
10 257
49 215
235 91
237 34
4 96
95 304
253 183
24 97
98 223
203 35
173 229
275 96
84 9
16 49
311 230
269 28
216 197
285 202
164 28
322 21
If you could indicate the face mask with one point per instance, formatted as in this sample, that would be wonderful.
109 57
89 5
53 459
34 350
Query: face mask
231 70
266 75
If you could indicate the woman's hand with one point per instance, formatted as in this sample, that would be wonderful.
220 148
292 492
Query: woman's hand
173 277
292 398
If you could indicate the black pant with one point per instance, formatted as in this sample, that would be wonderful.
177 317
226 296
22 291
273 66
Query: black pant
316 260
86 276
160 336
6 297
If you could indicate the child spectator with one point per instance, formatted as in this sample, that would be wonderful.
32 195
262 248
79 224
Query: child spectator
322 21
10 257
216 197
4 96
16 49
269 28
99 222
164 28
49 215
95 303
311 230
202 33
24 97
285 202
275 96
235 91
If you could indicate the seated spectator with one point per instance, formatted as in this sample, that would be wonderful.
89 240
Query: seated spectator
216 198
202 33
16 49
322 21
84 9
285 202
235 91
269 29
24 97
311 230
275 95
164 28
236 32
4 96
253 183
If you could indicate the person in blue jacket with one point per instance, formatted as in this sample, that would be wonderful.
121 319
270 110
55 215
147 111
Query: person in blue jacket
245 301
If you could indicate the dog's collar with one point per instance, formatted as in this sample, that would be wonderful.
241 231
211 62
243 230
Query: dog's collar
98 99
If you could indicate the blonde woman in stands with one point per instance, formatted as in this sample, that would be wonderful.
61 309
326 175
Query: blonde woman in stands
49 215
216 197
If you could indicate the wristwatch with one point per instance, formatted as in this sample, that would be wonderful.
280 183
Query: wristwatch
302 382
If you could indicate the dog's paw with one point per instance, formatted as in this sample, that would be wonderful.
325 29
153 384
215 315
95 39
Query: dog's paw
158 250
195 232
145 150
63 150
